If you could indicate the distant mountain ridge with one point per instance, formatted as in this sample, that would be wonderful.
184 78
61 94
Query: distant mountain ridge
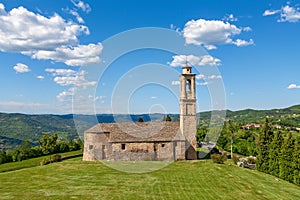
15 127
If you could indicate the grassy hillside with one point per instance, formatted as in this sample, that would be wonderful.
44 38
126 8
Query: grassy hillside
33 162
75 179
288 117
17 127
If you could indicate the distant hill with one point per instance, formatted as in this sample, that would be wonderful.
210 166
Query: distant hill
17 127
286 116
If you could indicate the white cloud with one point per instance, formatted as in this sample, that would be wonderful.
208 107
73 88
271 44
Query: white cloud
19 28
287 14
61 72
173 27
153 97
78 17
81 5
40 77
203 77
1 7
26 107
206 60
21 68
57 39
175 83
200 76
99 98
77 80
270 12
241 43
68 77
293 86
210 33
247 29
230 18
81 55
202 83
214 77
66 95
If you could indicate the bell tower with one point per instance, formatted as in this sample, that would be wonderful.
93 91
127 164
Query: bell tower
188 111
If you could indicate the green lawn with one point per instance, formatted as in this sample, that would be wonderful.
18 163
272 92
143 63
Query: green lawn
30 162
75 179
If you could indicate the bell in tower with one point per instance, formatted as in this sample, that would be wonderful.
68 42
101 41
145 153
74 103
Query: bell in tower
188 112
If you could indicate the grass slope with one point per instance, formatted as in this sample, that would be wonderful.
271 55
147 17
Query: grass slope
31 162
75 179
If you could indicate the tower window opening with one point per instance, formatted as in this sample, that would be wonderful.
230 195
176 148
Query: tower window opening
188 85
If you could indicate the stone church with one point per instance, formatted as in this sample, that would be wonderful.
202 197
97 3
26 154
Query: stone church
148 141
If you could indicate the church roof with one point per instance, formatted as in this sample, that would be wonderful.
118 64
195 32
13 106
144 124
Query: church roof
140 131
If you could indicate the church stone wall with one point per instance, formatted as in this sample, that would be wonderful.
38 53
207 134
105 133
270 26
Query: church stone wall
96 146
132 151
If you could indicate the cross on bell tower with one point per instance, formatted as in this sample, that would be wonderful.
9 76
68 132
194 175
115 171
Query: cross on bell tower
188 111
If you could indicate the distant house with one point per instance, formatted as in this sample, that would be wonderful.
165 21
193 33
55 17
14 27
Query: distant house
251 125
277 126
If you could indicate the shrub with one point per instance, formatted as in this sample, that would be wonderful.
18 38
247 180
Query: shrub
44 162
56 158
219 158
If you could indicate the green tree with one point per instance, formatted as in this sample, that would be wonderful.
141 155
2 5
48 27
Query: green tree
168 118
296 163
286 167
231 129
140 119
264 140
63 147
201 133
48 143
3 158
75 144
22 152
274 153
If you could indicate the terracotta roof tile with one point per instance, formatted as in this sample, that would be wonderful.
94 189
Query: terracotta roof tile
139 132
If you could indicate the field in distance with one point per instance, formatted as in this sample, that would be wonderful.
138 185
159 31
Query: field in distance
75 179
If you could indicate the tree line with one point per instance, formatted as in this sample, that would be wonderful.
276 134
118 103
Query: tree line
47 145
233 138
277 151
279 154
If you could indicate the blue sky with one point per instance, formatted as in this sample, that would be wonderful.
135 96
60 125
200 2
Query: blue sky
52 50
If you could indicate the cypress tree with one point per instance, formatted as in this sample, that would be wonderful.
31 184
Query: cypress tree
264 140
140 119
168 118
286 168
274 153
296 158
